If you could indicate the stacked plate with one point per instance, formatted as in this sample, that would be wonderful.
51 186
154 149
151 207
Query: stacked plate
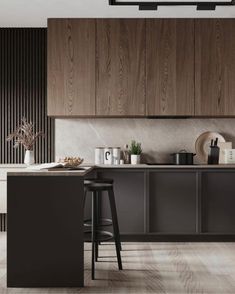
203 142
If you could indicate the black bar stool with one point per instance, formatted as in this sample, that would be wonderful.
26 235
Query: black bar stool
102 221
95 234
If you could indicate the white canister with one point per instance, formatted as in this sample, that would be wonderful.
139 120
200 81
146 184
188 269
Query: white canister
108 155
99 155
116 155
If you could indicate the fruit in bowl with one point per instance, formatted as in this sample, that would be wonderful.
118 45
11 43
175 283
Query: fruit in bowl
71 161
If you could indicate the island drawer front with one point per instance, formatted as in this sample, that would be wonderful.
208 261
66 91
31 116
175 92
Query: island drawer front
3 196
3 174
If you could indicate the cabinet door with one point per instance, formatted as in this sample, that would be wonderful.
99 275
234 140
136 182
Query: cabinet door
218 202
120 79
172 202
71 67
130 200
170 67
215 67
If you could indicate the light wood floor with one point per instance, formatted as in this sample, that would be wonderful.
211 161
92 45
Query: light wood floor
151 268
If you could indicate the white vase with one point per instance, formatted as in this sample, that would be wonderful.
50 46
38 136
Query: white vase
29 157
135 159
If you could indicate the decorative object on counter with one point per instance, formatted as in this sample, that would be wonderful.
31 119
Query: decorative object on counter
99 155
126 154
116 155
203 142
222 147
213 153
229 156
121 161
71 161
108 155
135 151
25 135
183 157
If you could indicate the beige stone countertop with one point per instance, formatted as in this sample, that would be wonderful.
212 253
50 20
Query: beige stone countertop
170 166
45 172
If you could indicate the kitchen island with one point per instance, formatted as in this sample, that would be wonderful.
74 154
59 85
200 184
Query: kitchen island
45 228
154 203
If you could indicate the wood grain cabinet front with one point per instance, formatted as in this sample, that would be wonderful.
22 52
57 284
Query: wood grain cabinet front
215 67
71 67
170 67
120 71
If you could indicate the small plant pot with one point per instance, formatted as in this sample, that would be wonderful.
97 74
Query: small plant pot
29 157
135 159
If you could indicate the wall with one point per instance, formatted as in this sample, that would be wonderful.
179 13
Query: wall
23 91
159 137
28 13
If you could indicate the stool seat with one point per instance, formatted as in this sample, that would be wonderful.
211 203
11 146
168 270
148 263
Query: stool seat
99 187
95 180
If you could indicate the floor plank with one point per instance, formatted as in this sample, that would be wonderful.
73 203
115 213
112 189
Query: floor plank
170 268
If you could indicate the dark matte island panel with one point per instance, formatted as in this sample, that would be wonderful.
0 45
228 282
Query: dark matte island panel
45 231
173 202
218 200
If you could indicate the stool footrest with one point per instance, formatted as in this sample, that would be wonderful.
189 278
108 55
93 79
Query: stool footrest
103 222
101 236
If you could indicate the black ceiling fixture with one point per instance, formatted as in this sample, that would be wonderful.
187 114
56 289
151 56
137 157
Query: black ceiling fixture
153 5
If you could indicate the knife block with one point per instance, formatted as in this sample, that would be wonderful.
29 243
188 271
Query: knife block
213 155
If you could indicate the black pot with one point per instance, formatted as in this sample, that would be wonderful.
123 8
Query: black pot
183 157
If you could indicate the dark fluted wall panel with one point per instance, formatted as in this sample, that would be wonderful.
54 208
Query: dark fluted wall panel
23 90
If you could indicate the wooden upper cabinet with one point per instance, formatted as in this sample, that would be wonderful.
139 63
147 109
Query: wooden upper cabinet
71 67
120 67
170 67
215 67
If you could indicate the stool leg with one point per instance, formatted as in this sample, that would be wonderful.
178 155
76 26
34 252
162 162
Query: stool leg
115 227
93 235
97 222
84 198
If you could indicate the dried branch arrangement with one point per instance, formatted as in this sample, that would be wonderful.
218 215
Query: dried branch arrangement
24 135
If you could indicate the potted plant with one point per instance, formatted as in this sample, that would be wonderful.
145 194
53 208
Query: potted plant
135 151
25 136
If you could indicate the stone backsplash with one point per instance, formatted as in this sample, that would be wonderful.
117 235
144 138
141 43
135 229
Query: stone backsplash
159 137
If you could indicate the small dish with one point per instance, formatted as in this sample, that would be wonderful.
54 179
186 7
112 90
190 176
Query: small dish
71 162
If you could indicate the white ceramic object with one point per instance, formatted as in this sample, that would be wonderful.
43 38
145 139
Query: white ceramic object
29 157
135 159
222 147
116 155
203 142
99 155
108 155
229 156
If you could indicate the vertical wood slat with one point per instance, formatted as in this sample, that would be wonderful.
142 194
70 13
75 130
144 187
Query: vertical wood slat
23 58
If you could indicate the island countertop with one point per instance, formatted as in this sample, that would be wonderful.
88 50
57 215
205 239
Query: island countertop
45 172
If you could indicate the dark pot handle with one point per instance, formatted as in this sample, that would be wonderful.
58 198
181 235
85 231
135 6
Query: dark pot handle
183 151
